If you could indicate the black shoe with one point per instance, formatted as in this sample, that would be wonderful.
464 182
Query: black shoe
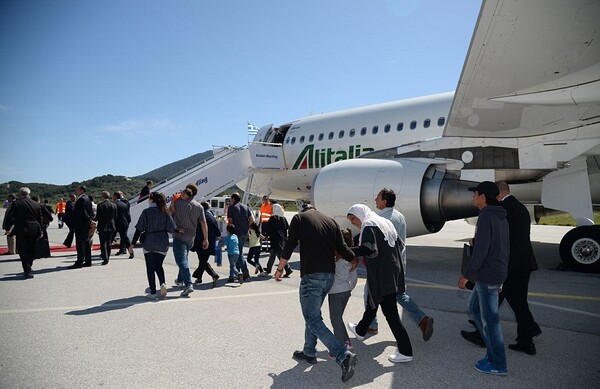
528 349
537 331
473 337
267 270
348 366
247 278
75 266
198 281
105 262
215 279
241 278
27 276
230 280
87 265
288 271
300 356
120 253
472 322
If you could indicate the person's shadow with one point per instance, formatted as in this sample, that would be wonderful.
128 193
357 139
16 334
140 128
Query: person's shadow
113 305
327 373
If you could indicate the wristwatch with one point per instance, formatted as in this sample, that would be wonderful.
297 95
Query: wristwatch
281 271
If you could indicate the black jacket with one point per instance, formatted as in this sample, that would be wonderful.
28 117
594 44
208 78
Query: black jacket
519 229
213 233
277 231
26 217
83 213
123 214
106 213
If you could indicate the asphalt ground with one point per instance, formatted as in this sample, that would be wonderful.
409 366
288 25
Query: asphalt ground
92 327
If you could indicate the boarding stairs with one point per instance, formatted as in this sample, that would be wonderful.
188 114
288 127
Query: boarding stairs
228 166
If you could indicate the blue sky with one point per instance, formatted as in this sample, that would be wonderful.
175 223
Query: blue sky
125 86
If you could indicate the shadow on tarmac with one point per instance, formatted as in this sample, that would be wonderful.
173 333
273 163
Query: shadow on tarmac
112 305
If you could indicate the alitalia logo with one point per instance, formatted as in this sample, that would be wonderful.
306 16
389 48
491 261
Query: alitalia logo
311 158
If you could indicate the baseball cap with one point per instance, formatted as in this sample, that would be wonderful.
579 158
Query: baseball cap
487 188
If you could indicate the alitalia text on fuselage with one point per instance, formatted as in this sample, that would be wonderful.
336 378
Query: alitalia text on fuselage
316 158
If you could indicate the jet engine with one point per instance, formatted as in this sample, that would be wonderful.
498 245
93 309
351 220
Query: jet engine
426 193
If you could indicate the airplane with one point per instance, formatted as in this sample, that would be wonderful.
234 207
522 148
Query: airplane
526 110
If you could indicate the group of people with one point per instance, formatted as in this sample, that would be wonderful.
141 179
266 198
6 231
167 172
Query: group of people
500 266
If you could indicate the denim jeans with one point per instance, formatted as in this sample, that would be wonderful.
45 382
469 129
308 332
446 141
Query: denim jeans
483 308
313 290
241 263
233 260
408 305
180 252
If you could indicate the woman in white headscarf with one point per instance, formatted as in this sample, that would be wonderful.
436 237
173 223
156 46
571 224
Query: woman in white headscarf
379 244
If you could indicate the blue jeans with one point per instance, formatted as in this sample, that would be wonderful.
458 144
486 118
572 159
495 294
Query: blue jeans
483 308
233 260
180 252
241 264
313 290
408 305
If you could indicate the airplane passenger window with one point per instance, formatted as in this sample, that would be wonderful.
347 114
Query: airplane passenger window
330 136
311 138
302 139
375 129
413 124
363 131
341 134
400 126
293 140
352 133
387 128
426 123
321 136
441 121
287 141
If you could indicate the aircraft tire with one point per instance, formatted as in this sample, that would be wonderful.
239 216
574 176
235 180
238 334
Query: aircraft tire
580 249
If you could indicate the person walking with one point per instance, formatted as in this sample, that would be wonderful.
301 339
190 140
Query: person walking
233 252
381 247
82 222
24 218
254 246
204 254
61 207
489 262
156 224
70 220
106 214
11 239
277 233
319 237
241 217
122 223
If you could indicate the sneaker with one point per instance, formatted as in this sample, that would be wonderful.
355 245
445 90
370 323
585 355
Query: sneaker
352 328
241 278
178 283
487 368
163 290
187 291
399 358
300 356
215 279
482 361
348 345
151 296
348 366
288 271
267 270
372 331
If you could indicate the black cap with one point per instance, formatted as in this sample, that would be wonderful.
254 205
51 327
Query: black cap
487 188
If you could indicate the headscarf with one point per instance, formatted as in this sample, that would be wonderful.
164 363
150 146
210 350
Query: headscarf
278 210
370 218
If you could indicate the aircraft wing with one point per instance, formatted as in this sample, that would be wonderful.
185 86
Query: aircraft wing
533 68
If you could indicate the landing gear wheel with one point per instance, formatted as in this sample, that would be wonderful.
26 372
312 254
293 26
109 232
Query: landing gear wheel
580 249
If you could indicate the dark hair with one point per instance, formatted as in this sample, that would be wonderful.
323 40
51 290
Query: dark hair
35 198
205 205
83 188
388 196
160 200
188 192
193 188
236 196
230 228
254 226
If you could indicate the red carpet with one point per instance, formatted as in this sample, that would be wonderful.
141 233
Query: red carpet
61 248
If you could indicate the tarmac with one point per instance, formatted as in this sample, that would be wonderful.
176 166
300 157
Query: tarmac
93 327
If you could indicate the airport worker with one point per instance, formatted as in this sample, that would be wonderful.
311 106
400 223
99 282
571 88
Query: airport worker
60 212
489 262
319 237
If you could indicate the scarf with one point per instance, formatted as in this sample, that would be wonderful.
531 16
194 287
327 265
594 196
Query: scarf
369 218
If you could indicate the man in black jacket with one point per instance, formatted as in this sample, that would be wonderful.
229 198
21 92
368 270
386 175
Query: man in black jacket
122 223
319 237
68 219
25 218
82 222
106 213
520 265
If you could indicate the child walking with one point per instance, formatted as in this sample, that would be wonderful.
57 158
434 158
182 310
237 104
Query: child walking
254 243
233 252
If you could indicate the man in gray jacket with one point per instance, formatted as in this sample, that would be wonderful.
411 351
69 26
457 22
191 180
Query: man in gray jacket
489 266
187 213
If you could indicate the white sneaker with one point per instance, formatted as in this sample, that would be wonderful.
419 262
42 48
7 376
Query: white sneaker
163 290
352 328
150 296
178 283
187 291
399 358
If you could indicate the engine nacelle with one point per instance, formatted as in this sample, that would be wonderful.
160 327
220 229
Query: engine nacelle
425 194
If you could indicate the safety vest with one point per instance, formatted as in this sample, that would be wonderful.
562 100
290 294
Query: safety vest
266 211
61 207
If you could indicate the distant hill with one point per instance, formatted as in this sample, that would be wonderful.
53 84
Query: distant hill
130 186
